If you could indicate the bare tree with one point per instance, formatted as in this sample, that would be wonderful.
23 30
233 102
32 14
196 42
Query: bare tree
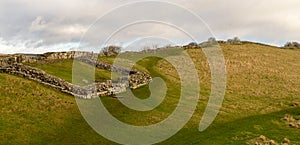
193 44
146 49
292 45
111 50
212 39
235 40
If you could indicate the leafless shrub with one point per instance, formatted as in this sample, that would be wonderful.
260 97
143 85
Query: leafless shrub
293 45
111 50
235 40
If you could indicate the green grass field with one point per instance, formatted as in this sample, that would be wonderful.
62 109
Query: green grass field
262 84
63 69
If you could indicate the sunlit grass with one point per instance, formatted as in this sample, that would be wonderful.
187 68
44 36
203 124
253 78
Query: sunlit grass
63 69
262 83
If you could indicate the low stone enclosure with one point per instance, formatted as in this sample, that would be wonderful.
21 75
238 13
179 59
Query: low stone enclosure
12 64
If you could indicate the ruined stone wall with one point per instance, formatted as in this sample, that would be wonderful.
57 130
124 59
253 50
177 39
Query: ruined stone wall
87 92
69 55
12 64
20 58
135 80
11 59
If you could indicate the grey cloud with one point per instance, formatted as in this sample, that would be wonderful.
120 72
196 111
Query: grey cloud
36 24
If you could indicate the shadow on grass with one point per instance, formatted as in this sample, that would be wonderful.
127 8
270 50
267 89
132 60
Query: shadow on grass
76 131
240 131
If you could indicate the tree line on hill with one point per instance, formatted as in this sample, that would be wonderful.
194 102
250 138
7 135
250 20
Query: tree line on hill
235 41
113 50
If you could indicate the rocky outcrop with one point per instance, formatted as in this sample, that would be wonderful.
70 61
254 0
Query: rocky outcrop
262 140
291 121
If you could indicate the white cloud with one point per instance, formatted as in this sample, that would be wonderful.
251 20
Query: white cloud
38 24
35 25
73 29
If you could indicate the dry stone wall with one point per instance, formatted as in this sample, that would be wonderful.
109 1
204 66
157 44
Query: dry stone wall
68 55
11 59
20 58
12 64
97 89
135 78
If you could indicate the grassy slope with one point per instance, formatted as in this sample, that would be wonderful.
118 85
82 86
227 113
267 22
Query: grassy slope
262 83
35 114
63 69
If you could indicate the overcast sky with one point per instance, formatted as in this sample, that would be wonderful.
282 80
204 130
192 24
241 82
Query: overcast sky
35 26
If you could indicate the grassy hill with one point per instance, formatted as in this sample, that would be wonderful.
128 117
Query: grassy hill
262 85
